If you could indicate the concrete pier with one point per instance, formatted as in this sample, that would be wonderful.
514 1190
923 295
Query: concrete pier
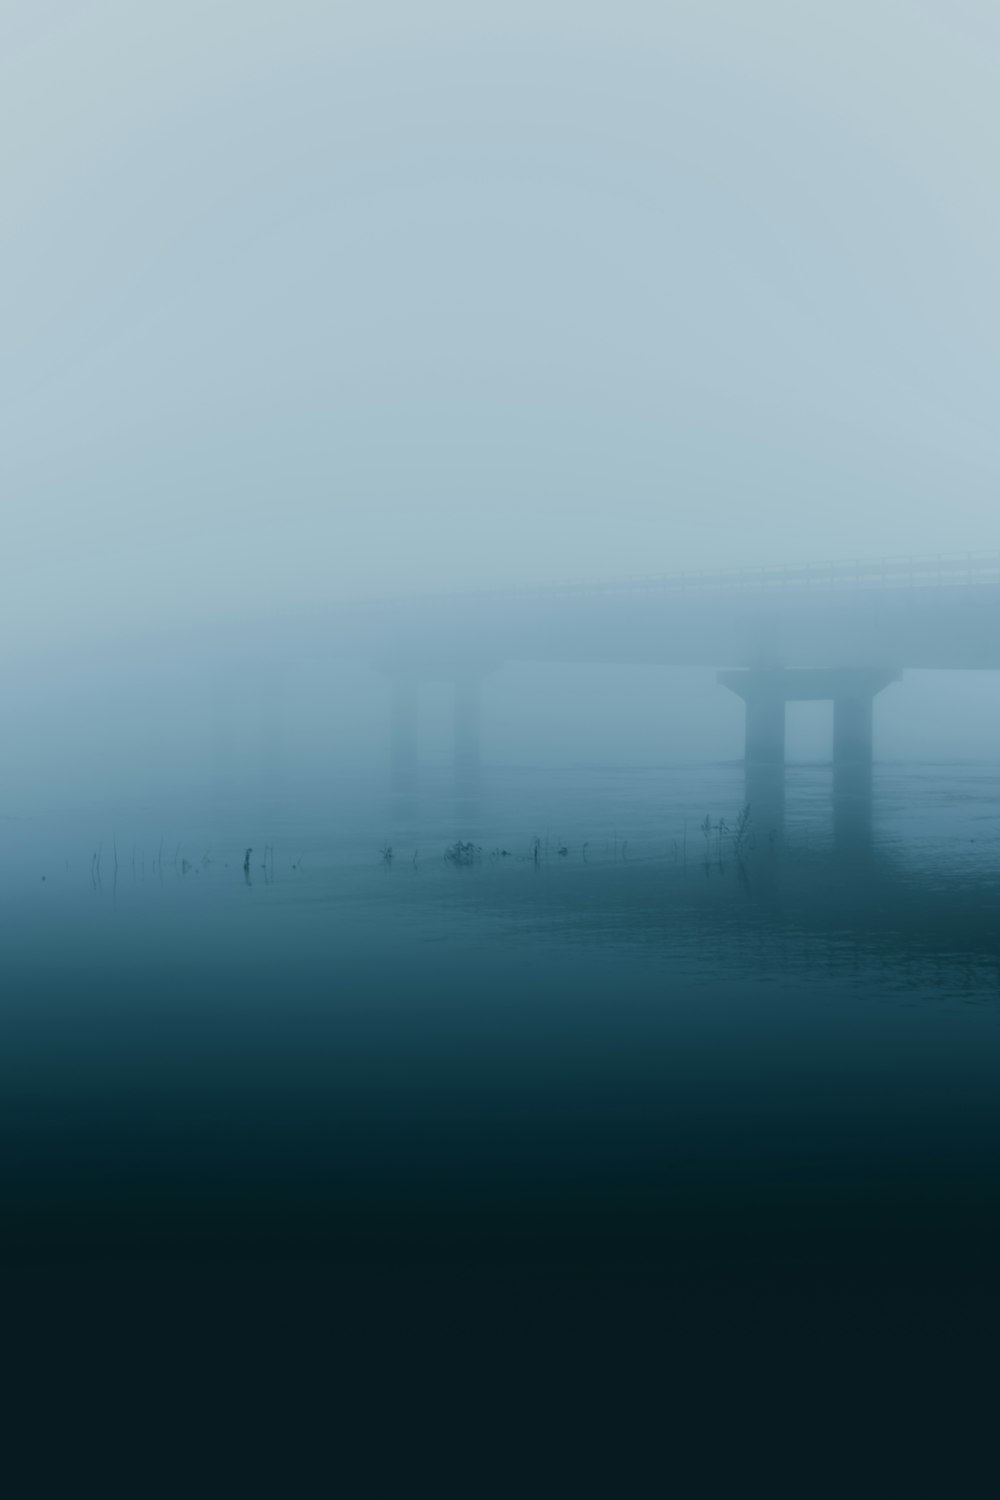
765 691
403 730
852 728
467 725
405 680
765 727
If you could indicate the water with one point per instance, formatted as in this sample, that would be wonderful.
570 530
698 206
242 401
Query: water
626 1050
656 1157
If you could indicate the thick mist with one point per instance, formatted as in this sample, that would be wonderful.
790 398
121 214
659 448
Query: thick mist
305 300
305 303
499 813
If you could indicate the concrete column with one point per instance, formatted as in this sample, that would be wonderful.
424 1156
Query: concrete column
852 728
764 692
467 726
403 730
765 726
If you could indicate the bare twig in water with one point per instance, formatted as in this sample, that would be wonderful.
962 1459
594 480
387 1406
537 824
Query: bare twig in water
743 832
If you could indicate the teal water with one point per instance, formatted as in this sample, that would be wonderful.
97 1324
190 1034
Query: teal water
623 1047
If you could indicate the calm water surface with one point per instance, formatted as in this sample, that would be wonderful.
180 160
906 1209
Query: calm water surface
630 1047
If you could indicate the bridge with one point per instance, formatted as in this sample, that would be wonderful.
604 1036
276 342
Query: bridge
835 631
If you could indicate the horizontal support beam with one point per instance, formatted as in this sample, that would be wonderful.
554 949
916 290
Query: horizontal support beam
800 684
436 669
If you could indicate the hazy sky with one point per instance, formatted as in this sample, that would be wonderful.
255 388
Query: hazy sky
305 298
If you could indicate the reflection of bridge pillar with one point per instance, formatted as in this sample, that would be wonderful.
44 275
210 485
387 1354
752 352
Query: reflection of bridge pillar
467 728
403 730
765 796
852 806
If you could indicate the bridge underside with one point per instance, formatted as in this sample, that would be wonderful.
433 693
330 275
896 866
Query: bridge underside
852 690
920 628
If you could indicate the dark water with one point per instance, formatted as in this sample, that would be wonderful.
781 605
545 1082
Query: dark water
636 1047
630 1056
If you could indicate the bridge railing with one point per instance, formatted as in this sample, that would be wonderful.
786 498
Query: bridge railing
937 570
927 571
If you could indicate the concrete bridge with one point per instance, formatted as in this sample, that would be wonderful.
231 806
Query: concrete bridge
840 632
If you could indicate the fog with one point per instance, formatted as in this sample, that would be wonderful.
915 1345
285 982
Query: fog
304 302
499 728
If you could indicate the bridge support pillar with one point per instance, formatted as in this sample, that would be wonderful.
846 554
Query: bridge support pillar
852 728
467 726
765 729
405 677
403 730
766 690
765 698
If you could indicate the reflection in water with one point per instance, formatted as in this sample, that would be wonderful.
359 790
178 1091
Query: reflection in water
851 799
852 809
605 1041
403 810
468 808
765 796
849 812
838 906
829 881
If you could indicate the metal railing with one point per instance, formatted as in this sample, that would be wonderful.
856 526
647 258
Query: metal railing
932 570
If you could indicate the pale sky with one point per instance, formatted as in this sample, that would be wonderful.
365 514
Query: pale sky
304 299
